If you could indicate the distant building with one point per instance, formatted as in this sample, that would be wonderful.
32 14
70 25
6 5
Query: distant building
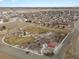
1 20
52 44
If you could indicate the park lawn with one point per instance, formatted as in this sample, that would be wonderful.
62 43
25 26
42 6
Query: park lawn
34 29
14 40
42 29
64 31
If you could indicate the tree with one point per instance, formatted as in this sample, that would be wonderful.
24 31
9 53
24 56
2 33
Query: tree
3 27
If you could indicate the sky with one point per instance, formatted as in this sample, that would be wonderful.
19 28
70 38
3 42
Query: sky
39 3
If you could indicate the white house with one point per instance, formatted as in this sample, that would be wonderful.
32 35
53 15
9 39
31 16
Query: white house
1 20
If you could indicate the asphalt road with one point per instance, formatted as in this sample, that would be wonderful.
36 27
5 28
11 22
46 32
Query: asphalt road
19 54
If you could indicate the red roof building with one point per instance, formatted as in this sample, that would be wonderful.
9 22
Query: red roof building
52 44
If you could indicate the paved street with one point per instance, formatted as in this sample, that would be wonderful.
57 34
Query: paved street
20 54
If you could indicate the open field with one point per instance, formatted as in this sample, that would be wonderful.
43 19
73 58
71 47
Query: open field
19 40
42 29
35 29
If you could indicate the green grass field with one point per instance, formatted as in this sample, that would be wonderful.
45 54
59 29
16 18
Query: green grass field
14 40
32 28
